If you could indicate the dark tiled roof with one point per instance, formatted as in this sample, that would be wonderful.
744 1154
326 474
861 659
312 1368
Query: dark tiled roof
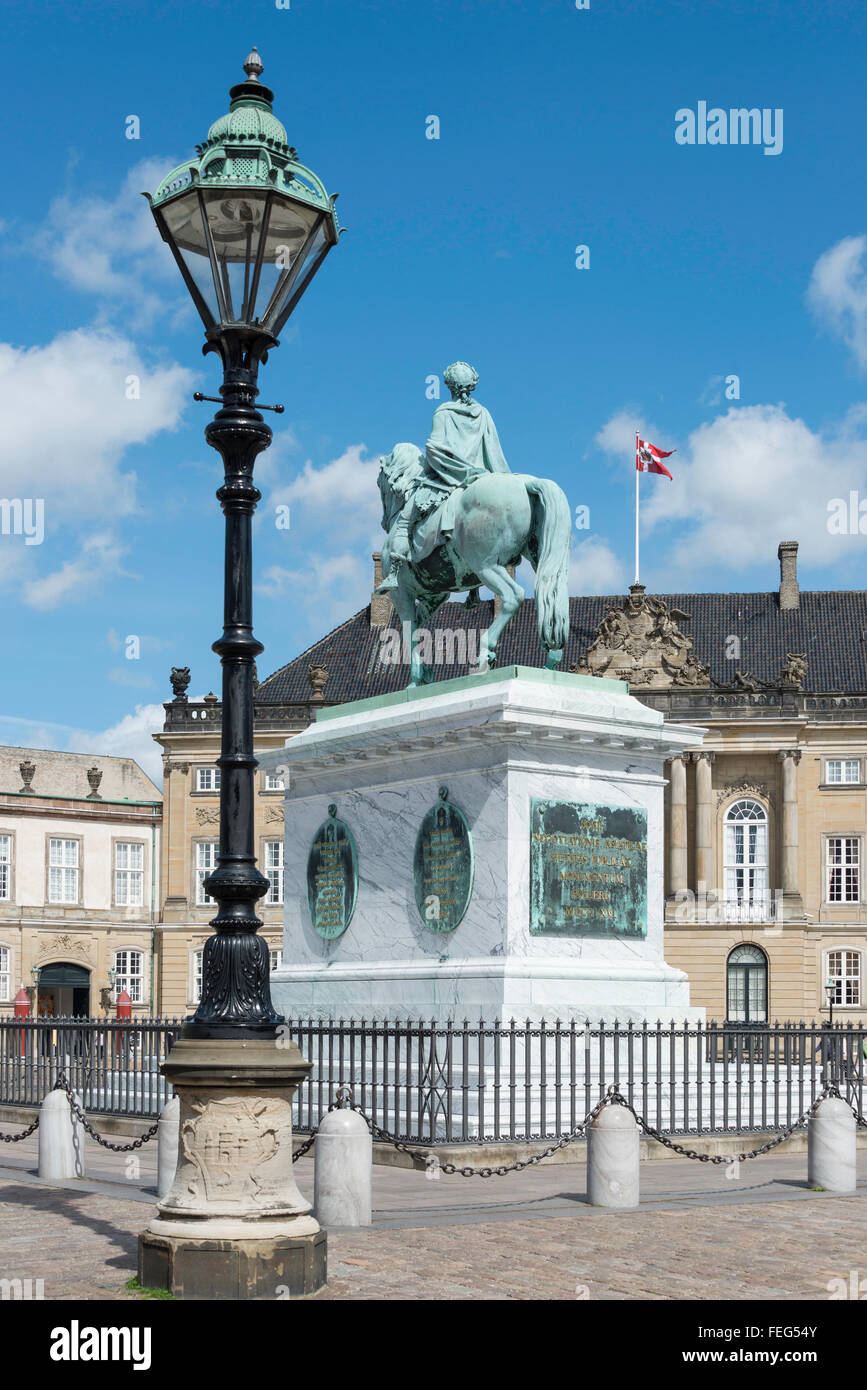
830 627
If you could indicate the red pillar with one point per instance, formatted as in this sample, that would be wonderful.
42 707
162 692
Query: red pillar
22 1010
123 1014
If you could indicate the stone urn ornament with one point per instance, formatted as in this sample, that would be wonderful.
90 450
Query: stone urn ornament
27 769
94 777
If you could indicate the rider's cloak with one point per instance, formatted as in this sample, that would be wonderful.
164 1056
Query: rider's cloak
463 443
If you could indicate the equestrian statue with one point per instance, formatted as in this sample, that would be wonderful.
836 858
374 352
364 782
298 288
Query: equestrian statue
457 518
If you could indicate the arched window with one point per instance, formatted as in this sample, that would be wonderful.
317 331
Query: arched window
844 969
746 861
130 974
747 985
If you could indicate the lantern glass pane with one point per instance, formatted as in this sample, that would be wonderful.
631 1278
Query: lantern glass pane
183 220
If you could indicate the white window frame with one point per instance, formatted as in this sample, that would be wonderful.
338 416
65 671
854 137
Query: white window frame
129 875
273 781
837 961
129 977
69 871
746 878
196 958
208 779
845 765
836 861
203 870
275 956
5 867
274 871
5 974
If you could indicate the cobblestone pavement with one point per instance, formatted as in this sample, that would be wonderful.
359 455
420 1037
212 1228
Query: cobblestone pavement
83 1245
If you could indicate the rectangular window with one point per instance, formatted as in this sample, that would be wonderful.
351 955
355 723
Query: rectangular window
844 969
843 868
5 867
273 783
840 771
274 870
6 974
129 874
206 863
63 871
276 954
130 974
207 779
197 975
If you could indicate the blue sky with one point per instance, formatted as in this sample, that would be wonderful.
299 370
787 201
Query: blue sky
557 129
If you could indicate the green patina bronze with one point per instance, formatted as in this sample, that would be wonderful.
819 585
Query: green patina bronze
457 518
588 869
443 866
332 877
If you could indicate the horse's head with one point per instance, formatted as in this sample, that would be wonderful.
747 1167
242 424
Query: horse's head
398 472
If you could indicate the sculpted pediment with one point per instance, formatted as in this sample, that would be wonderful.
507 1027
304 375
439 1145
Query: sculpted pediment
641 642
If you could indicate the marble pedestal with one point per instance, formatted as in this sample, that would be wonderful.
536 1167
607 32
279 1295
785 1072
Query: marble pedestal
234 1224
498 742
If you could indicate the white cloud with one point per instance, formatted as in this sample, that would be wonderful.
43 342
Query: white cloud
837 293
331 587
594 568
75 388
130 737
617 435
341 494
751 478
110 247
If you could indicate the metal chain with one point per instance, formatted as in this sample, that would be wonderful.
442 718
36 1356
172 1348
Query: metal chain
61 1085
305 1147
344 1102
25 1133
617 1099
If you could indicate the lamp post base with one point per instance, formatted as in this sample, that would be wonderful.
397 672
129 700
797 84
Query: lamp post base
234 1269
234 1225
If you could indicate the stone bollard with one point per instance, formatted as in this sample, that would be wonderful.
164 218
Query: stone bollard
343 1157
168 1137
831 1147
612 1159
61 1140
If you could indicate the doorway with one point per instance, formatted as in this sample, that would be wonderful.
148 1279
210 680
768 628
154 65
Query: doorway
63 991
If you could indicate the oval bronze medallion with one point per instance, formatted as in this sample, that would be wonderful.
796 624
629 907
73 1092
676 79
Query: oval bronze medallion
332 877
443 866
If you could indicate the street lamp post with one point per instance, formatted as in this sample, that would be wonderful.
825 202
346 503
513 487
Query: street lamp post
248 226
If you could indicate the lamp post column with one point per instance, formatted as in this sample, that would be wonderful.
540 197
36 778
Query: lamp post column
236 996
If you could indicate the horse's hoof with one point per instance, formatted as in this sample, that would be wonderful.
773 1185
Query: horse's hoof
553 659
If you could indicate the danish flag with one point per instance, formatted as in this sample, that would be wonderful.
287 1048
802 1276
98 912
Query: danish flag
648 459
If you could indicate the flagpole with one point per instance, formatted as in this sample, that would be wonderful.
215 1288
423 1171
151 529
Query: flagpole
637 476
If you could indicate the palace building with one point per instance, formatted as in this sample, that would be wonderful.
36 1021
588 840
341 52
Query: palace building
765 827
79 881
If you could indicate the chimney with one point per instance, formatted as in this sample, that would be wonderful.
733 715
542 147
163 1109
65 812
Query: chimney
790 594
381 609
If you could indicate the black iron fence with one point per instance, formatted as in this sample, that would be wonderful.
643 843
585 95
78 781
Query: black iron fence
113 1066
466 1083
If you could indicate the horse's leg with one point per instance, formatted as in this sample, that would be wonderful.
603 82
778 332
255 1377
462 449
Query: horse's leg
511 596
405 607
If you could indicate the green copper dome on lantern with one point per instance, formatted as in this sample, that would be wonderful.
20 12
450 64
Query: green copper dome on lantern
247 145
248 224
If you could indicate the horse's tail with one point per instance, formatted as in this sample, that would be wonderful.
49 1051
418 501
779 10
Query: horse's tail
554 534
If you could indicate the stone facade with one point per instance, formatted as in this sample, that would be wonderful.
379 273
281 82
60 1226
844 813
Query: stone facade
79 863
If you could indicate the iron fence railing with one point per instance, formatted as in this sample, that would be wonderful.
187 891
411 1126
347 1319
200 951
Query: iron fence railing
464 1083
113 1066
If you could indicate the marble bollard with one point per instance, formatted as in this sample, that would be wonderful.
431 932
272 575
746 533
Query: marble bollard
613 1159
343 1157
831 1148
168 1138
61 1140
